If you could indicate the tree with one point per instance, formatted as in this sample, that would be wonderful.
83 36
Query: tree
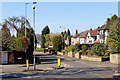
12 43
68 32
16 23
42 41
45 30
113 39
48 38
113 18
5 37
57 42
62 33
17 43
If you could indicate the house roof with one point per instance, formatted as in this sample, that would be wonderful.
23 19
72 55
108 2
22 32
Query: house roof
93 32
83 34
106 25
76 35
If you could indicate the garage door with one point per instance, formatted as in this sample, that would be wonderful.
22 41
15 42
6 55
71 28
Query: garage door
4 58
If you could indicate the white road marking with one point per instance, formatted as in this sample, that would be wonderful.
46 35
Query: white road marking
77 71
73 72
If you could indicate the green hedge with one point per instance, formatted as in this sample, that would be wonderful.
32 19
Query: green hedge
70 48
100 49
79 46
39 49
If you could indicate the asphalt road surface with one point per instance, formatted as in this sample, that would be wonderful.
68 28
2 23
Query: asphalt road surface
74 68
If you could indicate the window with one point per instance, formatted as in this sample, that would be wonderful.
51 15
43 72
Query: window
90 41
78 39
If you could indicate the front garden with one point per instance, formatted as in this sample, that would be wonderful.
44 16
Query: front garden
92 52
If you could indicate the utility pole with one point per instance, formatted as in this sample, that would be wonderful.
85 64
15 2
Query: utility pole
34 34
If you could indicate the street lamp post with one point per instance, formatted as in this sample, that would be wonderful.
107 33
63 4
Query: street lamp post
34 34
26 21
26 17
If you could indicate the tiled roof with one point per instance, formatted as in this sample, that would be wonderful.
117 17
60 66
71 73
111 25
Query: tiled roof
76 35
93 32
83 34
106 25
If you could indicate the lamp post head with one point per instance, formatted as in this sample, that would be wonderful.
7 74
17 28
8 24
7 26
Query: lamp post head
33 7
34 2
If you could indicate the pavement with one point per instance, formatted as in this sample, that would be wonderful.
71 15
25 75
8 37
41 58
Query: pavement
74 68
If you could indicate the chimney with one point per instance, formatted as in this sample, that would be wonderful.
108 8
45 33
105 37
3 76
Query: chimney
76 31
108 19
90 29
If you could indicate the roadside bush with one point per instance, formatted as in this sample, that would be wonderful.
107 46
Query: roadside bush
84 47
98 49
84 53
70 48
77 47
90 53
88 45
81 51
50 49
39 49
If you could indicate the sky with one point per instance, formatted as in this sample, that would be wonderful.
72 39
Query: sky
71 15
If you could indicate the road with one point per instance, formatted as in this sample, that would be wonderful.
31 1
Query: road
74 68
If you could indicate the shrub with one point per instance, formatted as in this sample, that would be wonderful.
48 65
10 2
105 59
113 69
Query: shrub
113 39
50 49
90 53
77 47
57 42
98 49
84 47
81 51
70 48
39 49
84 53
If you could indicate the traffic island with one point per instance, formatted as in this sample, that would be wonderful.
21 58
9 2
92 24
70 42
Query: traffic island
30 70
57 68
53 68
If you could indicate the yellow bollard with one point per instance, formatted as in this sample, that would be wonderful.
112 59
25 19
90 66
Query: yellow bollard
27 64
59 62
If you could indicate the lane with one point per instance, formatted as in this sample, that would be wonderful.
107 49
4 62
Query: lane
78 67
74 68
